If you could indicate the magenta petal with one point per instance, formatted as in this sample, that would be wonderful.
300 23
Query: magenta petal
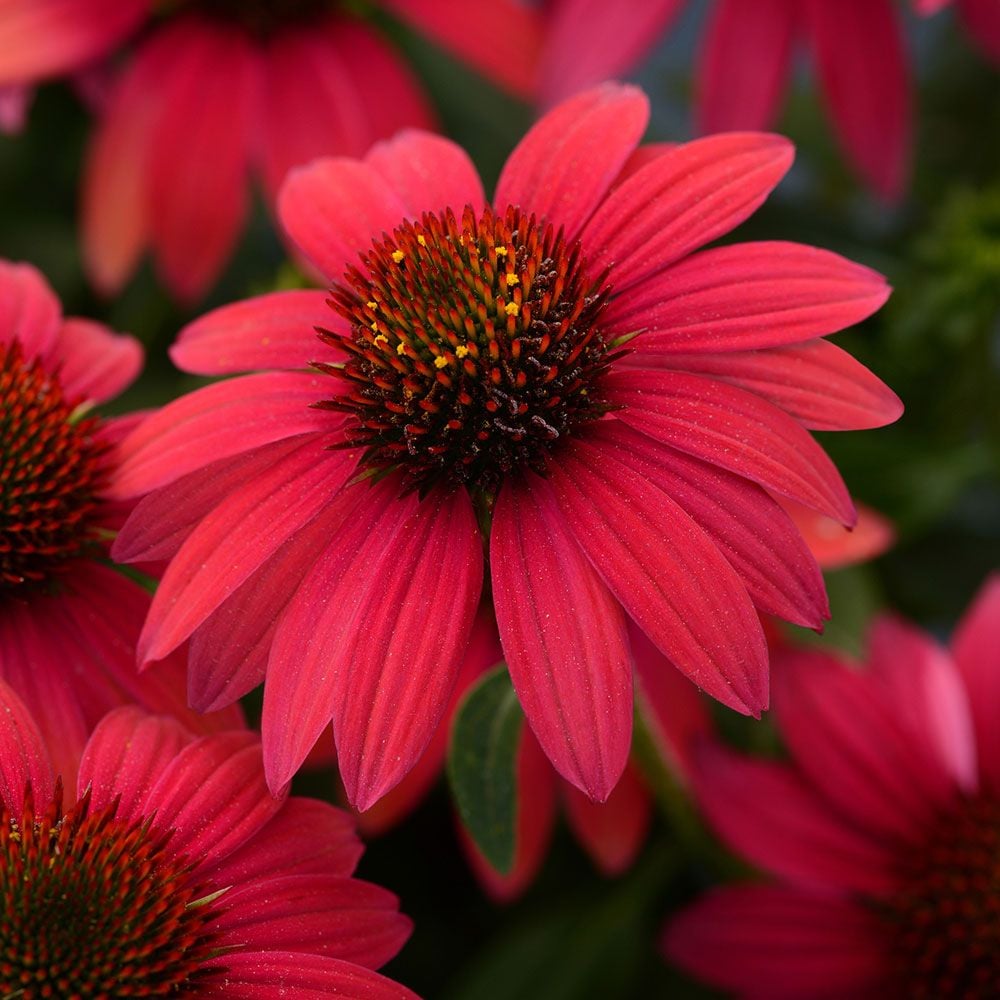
221 420
772 943
976 648
733 429
213 796
277 330
263 975
860 52
666 572
199 156
816 383
317 914
982 18
96 363
428 173
751 530
306 837
748 295
565 164
770 816
24 761
564 638
333 208
744 64
236 538
682 200
29 310
125 757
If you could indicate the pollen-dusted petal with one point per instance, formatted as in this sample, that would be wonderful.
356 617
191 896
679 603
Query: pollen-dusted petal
817 383
565 164
733 429
669 576
277 330
24 761
97 364
564 638
780 944
29 310
682 200
744 64
218 421
748 296
215 559
754 534
860 52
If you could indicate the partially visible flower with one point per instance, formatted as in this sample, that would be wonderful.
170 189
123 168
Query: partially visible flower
882 835
167 868
68 621
833 545
981 19
560 375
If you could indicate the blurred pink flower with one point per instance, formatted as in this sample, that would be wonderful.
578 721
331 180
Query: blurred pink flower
883 831
564 366
168 868
68 621
980 17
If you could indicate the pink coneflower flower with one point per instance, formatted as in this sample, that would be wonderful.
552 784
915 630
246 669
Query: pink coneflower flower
981 18
558 378
882 832
68 621
168 868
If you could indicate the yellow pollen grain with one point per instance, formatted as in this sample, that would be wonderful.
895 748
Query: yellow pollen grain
512 309
401 348
461 351
440 362
397 256
422 241
501 251
372 304
381 339
512 280
374 325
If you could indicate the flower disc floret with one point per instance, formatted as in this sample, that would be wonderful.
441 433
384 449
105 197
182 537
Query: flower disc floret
264 17
51 468
475 347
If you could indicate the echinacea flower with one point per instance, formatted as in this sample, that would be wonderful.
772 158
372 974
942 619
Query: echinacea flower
68 621
558 378
882 834
167 868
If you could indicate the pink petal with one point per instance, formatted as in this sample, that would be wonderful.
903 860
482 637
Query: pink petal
668 575
233 540
224 419
982 19
96 363
427 173
771 817
861 58
733 429
500 38
833 545
213 796
817 383
748 295
115 207
199 154
587 41
40 38
277 330
752 532
563 167
15 100
682 200
316 914
334 208
564 637
125 757
29 310
744 64
24 762
306 837
845 734
771 943
927 7
928 694
976 648
262 975
612 832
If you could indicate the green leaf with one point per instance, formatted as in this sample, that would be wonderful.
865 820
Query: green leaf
482 765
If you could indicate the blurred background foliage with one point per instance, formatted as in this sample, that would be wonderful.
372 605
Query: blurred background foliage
936 474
